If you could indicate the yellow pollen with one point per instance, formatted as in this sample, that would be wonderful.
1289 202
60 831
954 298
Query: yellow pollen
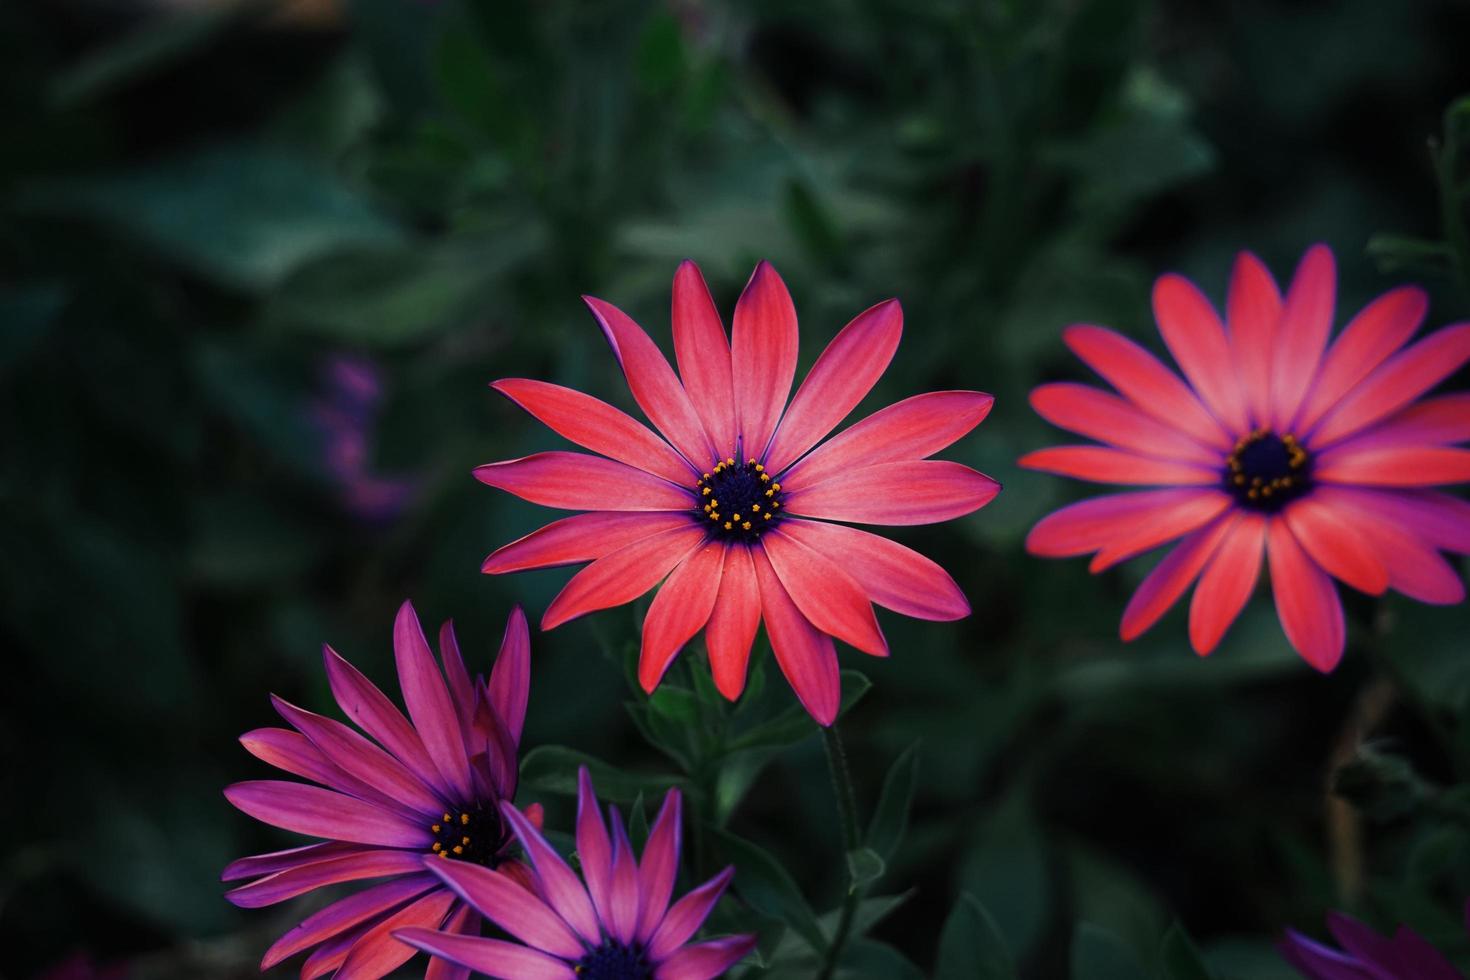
438 846
766 516
775 486
447 818
706 491
464 840
750 461
745 526
706 476
759 468
737 517
436 828
464 818
770 493
765 478
444 854
775 505
730 461
458 849
728 525
755 507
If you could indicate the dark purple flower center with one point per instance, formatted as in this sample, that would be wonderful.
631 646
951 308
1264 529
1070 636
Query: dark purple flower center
740 500
614 961
1266 472
478 835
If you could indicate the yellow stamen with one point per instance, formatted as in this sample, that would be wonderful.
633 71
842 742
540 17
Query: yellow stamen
745 526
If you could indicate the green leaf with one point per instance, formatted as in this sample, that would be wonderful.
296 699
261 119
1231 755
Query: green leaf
1180 958
1007 871
764 883
891 816
1100 955
553 769
864 866
794 724
971 946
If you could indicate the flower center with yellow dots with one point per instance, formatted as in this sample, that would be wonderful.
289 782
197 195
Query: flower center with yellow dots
1266 471
614 961
478 835
739 501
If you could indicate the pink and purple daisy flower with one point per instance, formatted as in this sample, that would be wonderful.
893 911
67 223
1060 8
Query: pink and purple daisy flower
1365 955
615 922
430 784
1320 457
735 504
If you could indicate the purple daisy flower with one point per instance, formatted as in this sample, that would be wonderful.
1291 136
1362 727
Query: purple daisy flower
434 784
1365 955
615 923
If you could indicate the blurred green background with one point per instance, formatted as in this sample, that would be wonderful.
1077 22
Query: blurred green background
258 264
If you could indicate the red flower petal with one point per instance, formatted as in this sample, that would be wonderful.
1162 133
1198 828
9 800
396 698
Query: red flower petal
1194 335
378 954
893 576
680 610
1306 601
1226 584
1335 544
1107 418
1253 311
703 353
1171 577
1306 320
1414 567
827 596
623 575
1406 466
1102 464
804 653
923 491
1399 381
763 357
345 914
733 622
1437 421
576 481
1098 522
581 537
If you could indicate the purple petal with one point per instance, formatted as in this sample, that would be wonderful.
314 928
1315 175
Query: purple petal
293 752
687 915
1318 962
375 714
461 688
593 847
428 702
492 957
704 961
378 954
503 901
561 887
660 864
464 922
298 881
293 857
624 884
346 914
510 678
323 813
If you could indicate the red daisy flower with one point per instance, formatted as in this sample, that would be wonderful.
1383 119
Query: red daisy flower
731 508
1321 457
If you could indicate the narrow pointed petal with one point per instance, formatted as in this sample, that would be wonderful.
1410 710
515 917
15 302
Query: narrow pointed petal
925 491
510 678
503 901
915 428
294 753
428 701
579 538
623 575
1094 524
1164 526
463 922
804 653
763 357
625 899
1383 326
346 914
893 576
375 714
378 954
1171 577
1101 464
844 374
1437 518
1195 336
492 957
1306 600
703 353
594 848
1318 962
1252 312
576 481
687 915
1441 421
653 383
1306 320
706 960
561 887
827 596
323 813
733 622
461 688
298 881
1414 567
660 864
1400 380
257 865
1226 584
680 610
1335 544
1109 419
1145 381
1399 466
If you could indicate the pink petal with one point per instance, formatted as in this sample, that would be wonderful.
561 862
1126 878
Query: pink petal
429 705
1400 380
461 688
893 576
576 481
1101 464
464 922
733 621
1405 466
322 813
703 353
827 596
1252 311
560 886
924 491
804 654
581 537
288 884
1437 421
1414 567
1171 577
492 957
706 960
594 849
1109 419
687 915
1437 518
1194 335
1145 381
503 901
1167 524
1226 584
623 575
293 752
914 428
625 900
1382 327
378 954
370 708
844 374
1306 601
332 953
345 914
510 678
763 357
1333 542
292 857
1099 522
594 424
680 610
660 864
653 383
1306 320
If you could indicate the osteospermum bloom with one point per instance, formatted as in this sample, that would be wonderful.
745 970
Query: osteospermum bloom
1320 456
1365 955
431 784
614 923
732 508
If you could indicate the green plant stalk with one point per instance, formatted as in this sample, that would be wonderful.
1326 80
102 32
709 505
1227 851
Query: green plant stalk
851 840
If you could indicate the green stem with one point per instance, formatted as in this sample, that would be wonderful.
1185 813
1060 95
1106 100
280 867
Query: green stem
851 841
